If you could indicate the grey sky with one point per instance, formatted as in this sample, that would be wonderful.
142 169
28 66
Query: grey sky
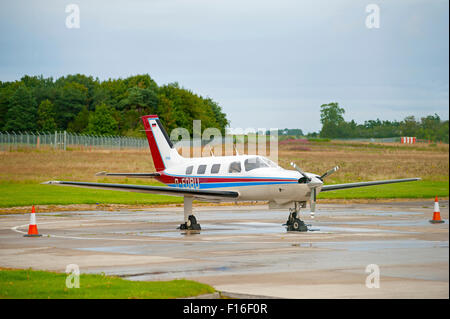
267 63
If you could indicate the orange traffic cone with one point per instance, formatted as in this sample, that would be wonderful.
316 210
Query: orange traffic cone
32 228
437 213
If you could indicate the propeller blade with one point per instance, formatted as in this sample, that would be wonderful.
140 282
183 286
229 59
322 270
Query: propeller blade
328 173
300 171
313 202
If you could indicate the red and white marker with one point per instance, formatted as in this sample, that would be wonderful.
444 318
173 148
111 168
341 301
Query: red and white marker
32 228
437 213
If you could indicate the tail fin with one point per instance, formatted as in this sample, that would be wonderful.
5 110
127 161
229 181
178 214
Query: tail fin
163 153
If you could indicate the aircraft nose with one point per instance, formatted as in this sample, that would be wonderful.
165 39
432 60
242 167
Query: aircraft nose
315 182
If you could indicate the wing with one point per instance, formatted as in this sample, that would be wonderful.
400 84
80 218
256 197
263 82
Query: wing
164 190
326 188
138 175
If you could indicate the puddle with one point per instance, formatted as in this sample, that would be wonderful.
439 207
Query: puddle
221 215
174 274
381 244
244 228
418 222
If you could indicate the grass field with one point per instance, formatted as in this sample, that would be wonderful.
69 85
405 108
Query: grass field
12 195
31 194
26 284
420 189
22 172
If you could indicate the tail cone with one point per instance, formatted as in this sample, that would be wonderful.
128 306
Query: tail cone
437 213
32 228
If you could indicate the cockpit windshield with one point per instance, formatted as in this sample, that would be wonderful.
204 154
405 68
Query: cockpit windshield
269 162
258 162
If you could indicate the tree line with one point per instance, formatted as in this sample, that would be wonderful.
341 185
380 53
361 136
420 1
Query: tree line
430 127
81 104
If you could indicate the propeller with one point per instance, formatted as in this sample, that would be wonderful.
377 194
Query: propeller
306 178
328 173
313 185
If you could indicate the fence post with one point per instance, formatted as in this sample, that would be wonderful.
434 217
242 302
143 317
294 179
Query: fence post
15 139
65 139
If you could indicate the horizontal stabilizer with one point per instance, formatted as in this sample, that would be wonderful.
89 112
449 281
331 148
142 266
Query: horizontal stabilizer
136 175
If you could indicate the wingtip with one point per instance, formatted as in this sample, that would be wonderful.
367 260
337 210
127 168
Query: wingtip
51 182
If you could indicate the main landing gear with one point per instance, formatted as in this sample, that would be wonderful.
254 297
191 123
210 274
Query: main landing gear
190 222
294 223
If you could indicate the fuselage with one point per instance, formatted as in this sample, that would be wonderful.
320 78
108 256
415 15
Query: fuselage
253 177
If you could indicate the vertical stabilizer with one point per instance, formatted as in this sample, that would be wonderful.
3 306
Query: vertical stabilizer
163 153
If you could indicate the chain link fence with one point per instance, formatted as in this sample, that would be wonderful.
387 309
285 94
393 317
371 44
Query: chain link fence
10 141
372 140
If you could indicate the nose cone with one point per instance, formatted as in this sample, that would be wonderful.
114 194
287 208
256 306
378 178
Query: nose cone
315 182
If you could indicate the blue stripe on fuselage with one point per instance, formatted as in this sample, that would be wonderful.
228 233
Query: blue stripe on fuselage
223 185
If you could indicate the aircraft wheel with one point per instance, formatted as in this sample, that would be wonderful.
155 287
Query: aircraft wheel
191 224
298 225
192 220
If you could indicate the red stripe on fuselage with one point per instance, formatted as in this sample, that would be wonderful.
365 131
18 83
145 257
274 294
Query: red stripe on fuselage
168 179
157 159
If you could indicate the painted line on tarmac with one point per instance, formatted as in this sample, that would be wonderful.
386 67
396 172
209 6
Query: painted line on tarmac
15 228
202 241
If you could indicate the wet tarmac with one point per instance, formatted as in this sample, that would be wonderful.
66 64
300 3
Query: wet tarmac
245 249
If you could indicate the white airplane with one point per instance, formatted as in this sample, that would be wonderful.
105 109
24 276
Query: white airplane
225 178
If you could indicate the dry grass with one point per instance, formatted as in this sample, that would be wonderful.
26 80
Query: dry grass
358 161
38 166
364 161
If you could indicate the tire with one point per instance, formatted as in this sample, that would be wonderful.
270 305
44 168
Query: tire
299 225
192 220
192 224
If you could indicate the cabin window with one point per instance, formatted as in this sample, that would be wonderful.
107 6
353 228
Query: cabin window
201 169
215 168
254 162
189 170
235 167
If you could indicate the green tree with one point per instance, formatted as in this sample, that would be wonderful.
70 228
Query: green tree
7 90
409 126
331 117
429 127
102 121
81 121
76 96
22 112
46 116
69 102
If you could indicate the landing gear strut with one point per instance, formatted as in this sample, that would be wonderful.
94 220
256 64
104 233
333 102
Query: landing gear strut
294 223
190 222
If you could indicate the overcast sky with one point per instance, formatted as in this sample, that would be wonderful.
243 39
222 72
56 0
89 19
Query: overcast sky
267 63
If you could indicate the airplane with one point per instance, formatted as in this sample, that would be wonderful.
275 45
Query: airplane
226 178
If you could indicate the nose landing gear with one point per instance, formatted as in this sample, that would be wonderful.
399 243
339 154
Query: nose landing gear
294 223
